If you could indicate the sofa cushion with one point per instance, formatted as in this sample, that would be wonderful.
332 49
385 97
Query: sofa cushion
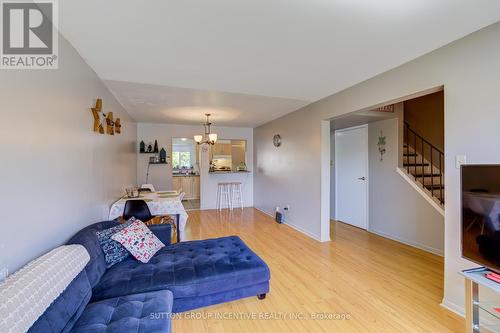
88 238
188 269
114 252
66 309
139 313
163 232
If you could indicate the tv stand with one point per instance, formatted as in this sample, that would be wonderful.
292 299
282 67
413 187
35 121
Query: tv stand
473 306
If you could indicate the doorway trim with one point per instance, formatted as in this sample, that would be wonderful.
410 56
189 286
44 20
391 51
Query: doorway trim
367 166
325 152
325 181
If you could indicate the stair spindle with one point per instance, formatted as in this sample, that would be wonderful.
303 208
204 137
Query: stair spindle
422 158
432 174
415 164
440 181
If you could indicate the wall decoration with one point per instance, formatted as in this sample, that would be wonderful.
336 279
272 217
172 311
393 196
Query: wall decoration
156 147
109 124
112 125
118 126
96 111
386 108
381 145
163 155
277 140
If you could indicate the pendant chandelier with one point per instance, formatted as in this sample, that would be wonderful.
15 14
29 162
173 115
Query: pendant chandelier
209 137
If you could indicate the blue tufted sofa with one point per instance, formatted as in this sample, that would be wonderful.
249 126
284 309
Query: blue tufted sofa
135 297
74 310
198 273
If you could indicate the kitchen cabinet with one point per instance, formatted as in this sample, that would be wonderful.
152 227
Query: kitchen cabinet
190 185
238 153
176 183
196 187
187 186
221 148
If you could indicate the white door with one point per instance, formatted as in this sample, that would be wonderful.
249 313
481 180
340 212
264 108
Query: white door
351 176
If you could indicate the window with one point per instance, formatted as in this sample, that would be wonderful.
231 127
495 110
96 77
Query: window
181 159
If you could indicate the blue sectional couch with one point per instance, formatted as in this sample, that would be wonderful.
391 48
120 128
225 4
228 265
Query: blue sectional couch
135 297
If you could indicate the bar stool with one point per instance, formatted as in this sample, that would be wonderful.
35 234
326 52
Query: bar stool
224 195
236 194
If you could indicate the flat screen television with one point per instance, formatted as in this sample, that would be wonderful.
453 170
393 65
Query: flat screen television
481 214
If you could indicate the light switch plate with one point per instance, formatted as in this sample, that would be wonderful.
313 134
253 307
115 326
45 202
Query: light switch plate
459 160
4 272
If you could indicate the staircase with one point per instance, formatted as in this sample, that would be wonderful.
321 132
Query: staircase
424 163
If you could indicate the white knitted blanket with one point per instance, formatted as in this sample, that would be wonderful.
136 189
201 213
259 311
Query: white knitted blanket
26 294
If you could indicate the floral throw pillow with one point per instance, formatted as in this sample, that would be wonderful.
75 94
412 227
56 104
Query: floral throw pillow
139 241
114 252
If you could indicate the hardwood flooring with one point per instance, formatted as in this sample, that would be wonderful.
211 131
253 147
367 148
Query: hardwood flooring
381 285
191 204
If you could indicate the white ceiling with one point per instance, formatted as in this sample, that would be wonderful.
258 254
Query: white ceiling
292 49
162 104
359 118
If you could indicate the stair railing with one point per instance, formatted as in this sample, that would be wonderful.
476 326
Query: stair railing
435 155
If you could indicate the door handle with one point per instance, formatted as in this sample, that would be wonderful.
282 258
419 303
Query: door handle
362 178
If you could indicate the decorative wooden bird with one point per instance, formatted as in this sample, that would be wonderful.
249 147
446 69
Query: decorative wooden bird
110 124
118 126
97 119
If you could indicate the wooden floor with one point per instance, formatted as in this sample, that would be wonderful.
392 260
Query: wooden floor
382 285
191 204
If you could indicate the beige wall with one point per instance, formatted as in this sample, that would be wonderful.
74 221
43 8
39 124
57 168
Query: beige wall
56 174
415 221
469 71
426 117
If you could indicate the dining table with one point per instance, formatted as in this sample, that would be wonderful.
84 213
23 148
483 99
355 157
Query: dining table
160 203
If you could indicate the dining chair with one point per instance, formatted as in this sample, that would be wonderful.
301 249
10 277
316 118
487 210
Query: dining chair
224 196
138 209
236 194
148 187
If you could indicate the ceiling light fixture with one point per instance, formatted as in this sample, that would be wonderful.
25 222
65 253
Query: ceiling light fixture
210 138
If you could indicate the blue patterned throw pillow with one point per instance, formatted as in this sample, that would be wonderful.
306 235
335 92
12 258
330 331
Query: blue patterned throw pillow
114 252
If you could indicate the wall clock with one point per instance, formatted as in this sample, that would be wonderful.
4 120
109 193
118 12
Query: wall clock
277 140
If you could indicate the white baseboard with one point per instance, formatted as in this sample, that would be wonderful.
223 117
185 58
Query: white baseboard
299 229
408 242
383 234
291 225
265 212
453 307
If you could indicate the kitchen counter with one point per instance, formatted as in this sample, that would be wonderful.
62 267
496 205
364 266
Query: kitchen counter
229 171
183 175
